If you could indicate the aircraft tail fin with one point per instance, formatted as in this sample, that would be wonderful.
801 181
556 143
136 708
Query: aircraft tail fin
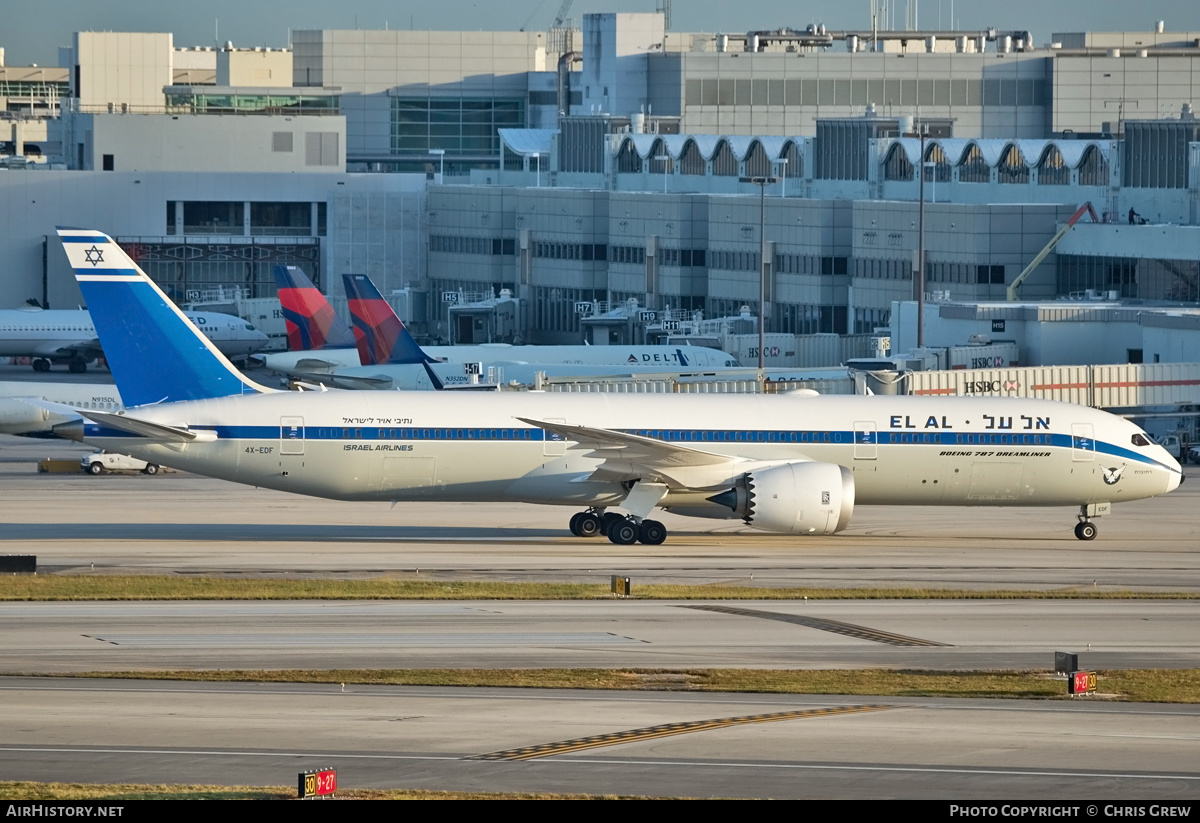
381 336
312 324
154 352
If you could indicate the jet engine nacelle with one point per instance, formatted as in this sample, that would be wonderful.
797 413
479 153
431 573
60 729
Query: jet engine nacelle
18 414
794 498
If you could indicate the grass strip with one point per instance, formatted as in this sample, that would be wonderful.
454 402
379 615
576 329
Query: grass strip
188 587
1132 685
31 790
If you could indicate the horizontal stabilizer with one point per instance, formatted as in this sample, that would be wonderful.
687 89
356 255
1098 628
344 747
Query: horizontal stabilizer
315 365
344 381
147 429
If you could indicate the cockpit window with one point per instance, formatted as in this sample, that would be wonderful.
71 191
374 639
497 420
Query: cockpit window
1140 440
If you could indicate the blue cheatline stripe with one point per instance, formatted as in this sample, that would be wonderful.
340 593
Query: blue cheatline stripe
84 238
702 437
103 272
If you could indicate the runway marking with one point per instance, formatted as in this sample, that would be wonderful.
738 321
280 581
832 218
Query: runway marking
835 626
366 639
666 730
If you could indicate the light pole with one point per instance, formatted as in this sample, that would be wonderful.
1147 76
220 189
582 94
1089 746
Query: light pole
441 156
919 280
762 183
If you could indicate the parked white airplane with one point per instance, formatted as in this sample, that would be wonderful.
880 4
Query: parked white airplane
390 352
68 336
401 364
33 409
795 464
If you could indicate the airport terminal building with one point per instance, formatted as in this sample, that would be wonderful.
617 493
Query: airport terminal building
620 166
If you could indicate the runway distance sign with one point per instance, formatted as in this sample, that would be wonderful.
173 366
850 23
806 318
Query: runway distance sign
317 783
1081 683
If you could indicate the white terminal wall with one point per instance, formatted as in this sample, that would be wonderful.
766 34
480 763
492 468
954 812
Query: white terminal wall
127 68
254 67
211 142
1060 333
370 68
133 204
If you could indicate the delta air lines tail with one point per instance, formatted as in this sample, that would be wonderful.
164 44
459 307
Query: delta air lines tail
312 324
155 353
380 335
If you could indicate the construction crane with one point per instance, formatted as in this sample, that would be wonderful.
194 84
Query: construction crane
558 18
1086 208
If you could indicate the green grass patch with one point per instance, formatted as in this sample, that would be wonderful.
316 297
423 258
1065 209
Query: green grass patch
187 587
1133 685
116 792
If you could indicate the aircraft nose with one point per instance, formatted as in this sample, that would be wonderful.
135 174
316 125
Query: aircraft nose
1175 480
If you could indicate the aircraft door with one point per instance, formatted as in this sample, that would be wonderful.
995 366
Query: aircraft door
291 435
1083 445
866 440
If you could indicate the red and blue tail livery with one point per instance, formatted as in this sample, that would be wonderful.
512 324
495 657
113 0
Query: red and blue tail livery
381 336
312 324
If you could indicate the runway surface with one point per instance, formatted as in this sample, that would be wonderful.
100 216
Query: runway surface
178 523
1019 634
473 739
808 746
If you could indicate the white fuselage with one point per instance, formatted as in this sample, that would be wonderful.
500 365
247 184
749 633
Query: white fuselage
589 360
664 358
60 334
433 446
416 377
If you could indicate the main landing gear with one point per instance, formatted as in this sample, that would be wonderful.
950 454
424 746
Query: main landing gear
621 530
1085 529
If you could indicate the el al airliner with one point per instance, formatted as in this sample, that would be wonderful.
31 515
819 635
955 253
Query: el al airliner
793 464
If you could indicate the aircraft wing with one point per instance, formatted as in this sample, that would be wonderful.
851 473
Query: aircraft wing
316 364
632 456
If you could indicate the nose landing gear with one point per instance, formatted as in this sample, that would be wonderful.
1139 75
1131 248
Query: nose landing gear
1085 529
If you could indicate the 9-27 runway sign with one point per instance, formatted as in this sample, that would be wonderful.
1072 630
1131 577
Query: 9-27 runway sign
317 783
1081 683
